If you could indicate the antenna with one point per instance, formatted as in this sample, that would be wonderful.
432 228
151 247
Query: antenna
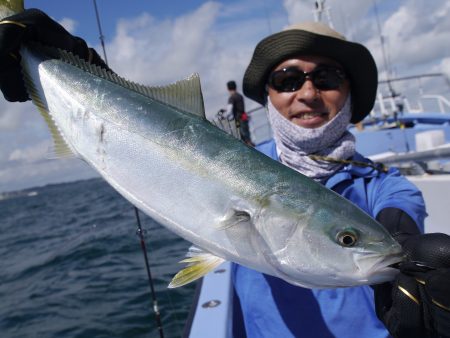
321 9
383 51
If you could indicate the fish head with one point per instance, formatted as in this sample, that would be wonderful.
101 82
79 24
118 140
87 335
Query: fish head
326 245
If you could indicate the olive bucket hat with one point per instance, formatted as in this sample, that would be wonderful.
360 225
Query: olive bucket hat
313 38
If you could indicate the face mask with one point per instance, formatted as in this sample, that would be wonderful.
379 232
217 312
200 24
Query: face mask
295 143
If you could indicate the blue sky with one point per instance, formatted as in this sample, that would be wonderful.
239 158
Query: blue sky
158 42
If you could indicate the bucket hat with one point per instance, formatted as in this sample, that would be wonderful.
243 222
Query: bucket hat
313 38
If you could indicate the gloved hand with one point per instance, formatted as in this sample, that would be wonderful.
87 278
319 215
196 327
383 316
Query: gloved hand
33 25
417 303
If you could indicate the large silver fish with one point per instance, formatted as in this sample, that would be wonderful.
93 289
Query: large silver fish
156 148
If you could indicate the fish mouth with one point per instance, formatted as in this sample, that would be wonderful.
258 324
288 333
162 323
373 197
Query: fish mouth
381 268
395 265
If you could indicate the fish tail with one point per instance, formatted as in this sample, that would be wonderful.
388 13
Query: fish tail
10 7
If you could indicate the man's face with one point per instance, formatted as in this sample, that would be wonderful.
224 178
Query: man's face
309 106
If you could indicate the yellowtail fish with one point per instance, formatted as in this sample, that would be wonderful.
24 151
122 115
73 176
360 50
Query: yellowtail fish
157 149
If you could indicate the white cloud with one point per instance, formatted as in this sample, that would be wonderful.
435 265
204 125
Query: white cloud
158 52
20 175
32 153
152 51
414 38
445 65
11 116
298 11
69 24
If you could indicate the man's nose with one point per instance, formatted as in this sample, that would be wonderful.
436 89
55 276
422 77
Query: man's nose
307 92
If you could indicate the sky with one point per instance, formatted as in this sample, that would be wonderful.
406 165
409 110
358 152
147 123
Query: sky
159 42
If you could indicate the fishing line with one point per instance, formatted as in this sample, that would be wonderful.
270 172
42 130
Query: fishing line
149 275
136 211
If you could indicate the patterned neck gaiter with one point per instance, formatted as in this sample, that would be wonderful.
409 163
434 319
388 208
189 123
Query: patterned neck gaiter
295 143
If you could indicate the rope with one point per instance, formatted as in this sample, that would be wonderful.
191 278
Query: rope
376 166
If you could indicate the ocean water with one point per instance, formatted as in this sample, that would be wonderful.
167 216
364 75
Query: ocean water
71 265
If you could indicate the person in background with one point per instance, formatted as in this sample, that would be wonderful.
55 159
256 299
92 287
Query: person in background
313 83
236 109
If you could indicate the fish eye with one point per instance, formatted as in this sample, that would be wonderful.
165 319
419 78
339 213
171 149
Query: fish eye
347 238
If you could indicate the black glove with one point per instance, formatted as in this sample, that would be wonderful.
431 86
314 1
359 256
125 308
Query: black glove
417 303
33 25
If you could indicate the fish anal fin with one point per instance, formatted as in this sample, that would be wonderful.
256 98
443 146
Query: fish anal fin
199 264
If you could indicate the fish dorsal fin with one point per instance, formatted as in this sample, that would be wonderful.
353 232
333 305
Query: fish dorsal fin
61 148
185 95
199 264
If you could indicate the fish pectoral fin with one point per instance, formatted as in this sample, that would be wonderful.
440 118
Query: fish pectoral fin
234 217
199 264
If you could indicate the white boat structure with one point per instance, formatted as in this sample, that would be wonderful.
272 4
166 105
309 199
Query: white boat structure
403 134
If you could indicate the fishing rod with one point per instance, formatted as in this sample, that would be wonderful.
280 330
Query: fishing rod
149 275
136 211
101 37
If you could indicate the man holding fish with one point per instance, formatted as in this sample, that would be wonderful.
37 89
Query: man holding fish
314 83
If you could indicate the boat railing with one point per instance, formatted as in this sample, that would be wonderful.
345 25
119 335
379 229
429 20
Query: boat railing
396 102
389 105
443 103
259 126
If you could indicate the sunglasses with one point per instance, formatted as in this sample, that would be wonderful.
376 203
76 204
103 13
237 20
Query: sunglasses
292 79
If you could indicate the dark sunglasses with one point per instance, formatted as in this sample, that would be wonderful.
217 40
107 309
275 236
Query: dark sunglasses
292 79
